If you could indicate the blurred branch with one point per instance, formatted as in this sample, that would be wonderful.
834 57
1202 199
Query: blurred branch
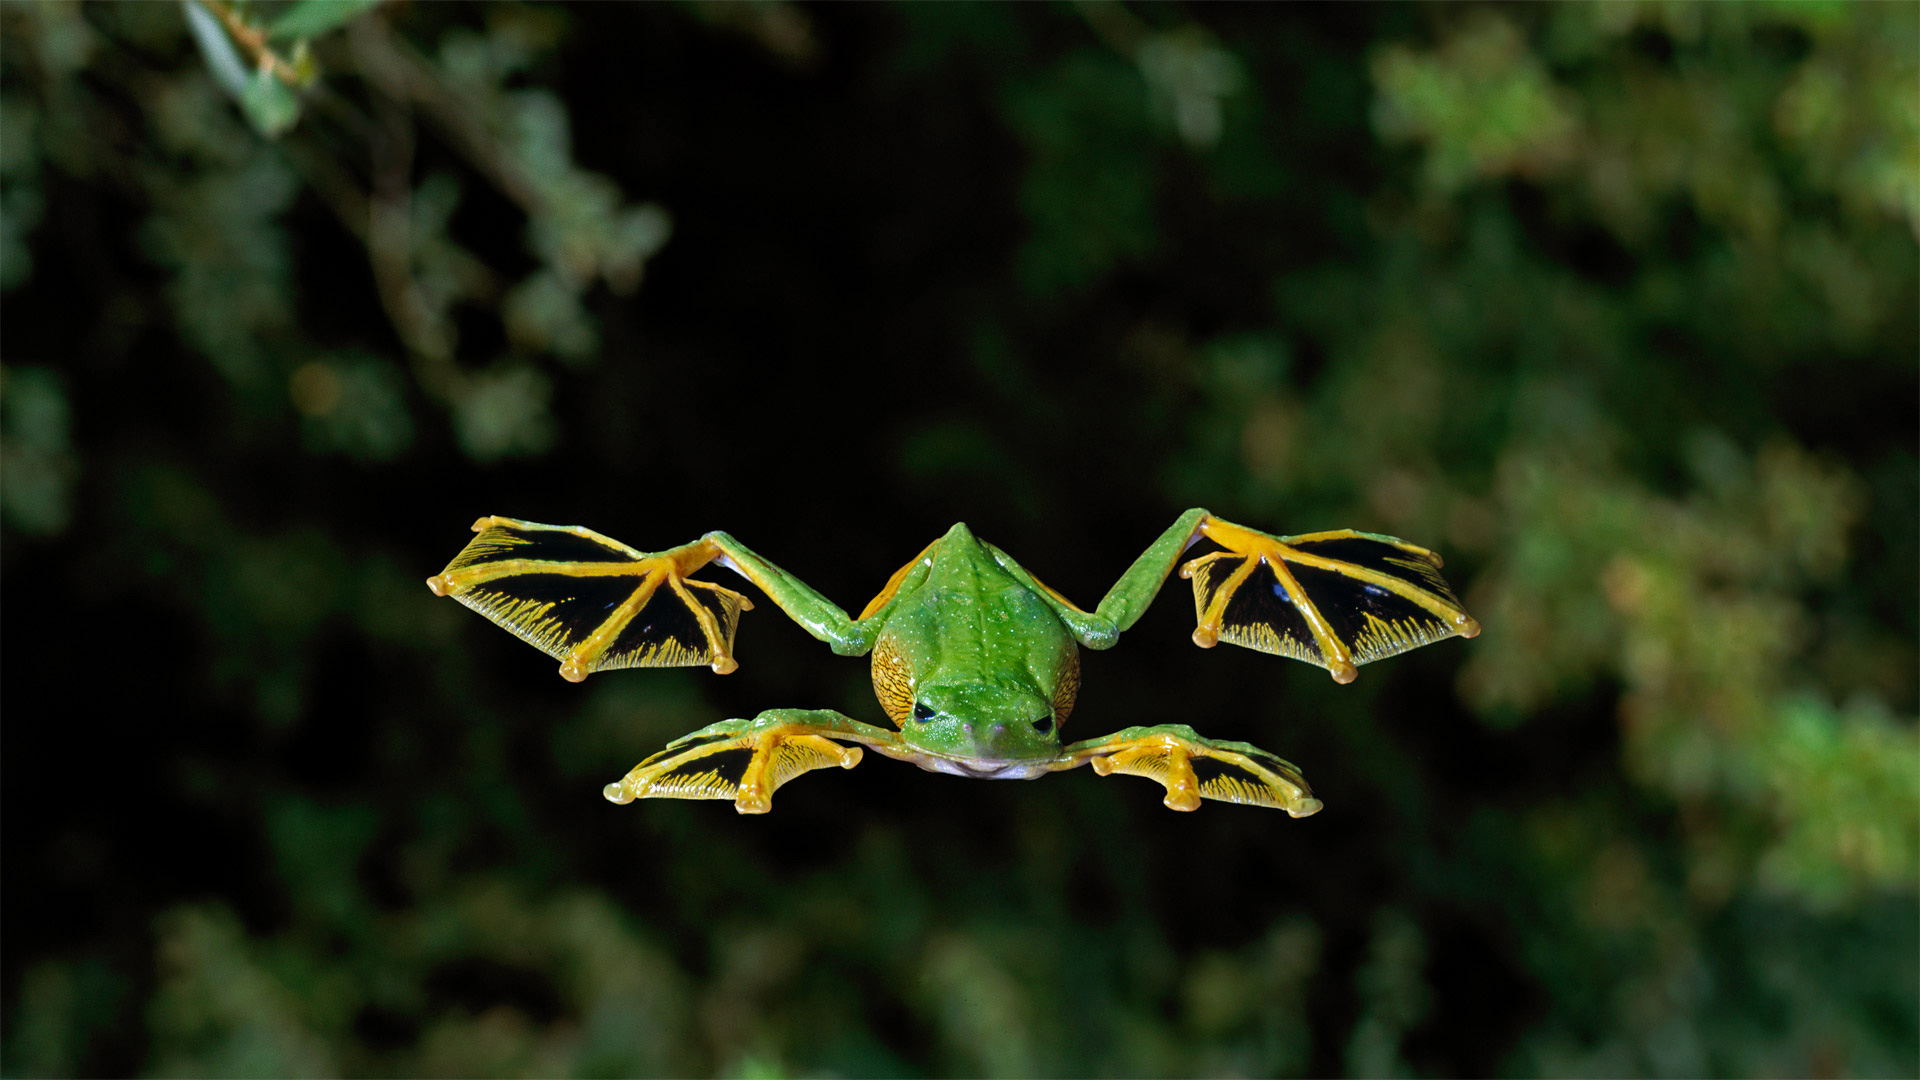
779 27
254 42
404 75
389 220
379 213
336 186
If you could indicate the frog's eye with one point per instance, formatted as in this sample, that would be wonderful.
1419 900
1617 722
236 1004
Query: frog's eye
1044 724
922 711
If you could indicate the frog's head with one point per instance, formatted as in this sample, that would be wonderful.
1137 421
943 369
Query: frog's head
983 722
979 722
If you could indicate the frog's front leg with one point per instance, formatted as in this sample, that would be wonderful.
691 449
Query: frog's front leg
1192 768
596 604
748 760
1336 599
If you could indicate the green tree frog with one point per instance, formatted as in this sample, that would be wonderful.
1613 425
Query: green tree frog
975 661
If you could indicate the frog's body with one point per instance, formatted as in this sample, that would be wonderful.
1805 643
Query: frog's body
976 662
992 665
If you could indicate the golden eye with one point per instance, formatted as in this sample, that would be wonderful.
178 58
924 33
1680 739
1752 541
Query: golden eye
892 682
1067 686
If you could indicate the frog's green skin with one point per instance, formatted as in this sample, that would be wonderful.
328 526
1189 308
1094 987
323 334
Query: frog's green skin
974 660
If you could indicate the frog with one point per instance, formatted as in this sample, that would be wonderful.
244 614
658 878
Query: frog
975 662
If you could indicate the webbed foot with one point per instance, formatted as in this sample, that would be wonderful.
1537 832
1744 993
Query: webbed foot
593 602
1192 768
748 760
1336 599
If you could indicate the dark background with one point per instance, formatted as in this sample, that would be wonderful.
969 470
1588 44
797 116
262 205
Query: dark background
1614 306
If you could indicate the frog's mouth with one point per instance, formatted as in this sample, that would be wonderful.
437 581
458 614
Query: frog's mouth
972 768
985 770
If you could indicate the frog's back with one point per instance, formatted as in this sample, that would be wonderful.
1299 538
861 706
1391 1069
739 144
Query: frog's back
974 621
963 564
970 587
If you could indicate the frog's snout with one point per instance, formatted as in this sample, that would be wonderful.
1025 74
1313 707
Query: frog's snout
987 721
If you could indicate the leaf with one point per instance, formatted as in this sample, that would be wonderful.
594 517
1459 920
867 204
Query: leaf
311 18
271 106
223 60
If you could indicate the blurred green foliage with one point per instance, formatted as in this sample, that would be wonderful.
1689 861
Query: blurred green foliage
1612 303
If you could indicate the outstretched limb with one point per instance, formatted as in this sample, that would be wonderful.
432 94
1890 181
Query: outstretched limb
1193 768
748 760
597 604
1335 599
591 601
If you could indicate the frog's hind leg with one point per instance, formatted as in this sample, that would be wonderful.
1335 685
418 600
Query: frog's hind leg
592 602
1192 768
748 760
